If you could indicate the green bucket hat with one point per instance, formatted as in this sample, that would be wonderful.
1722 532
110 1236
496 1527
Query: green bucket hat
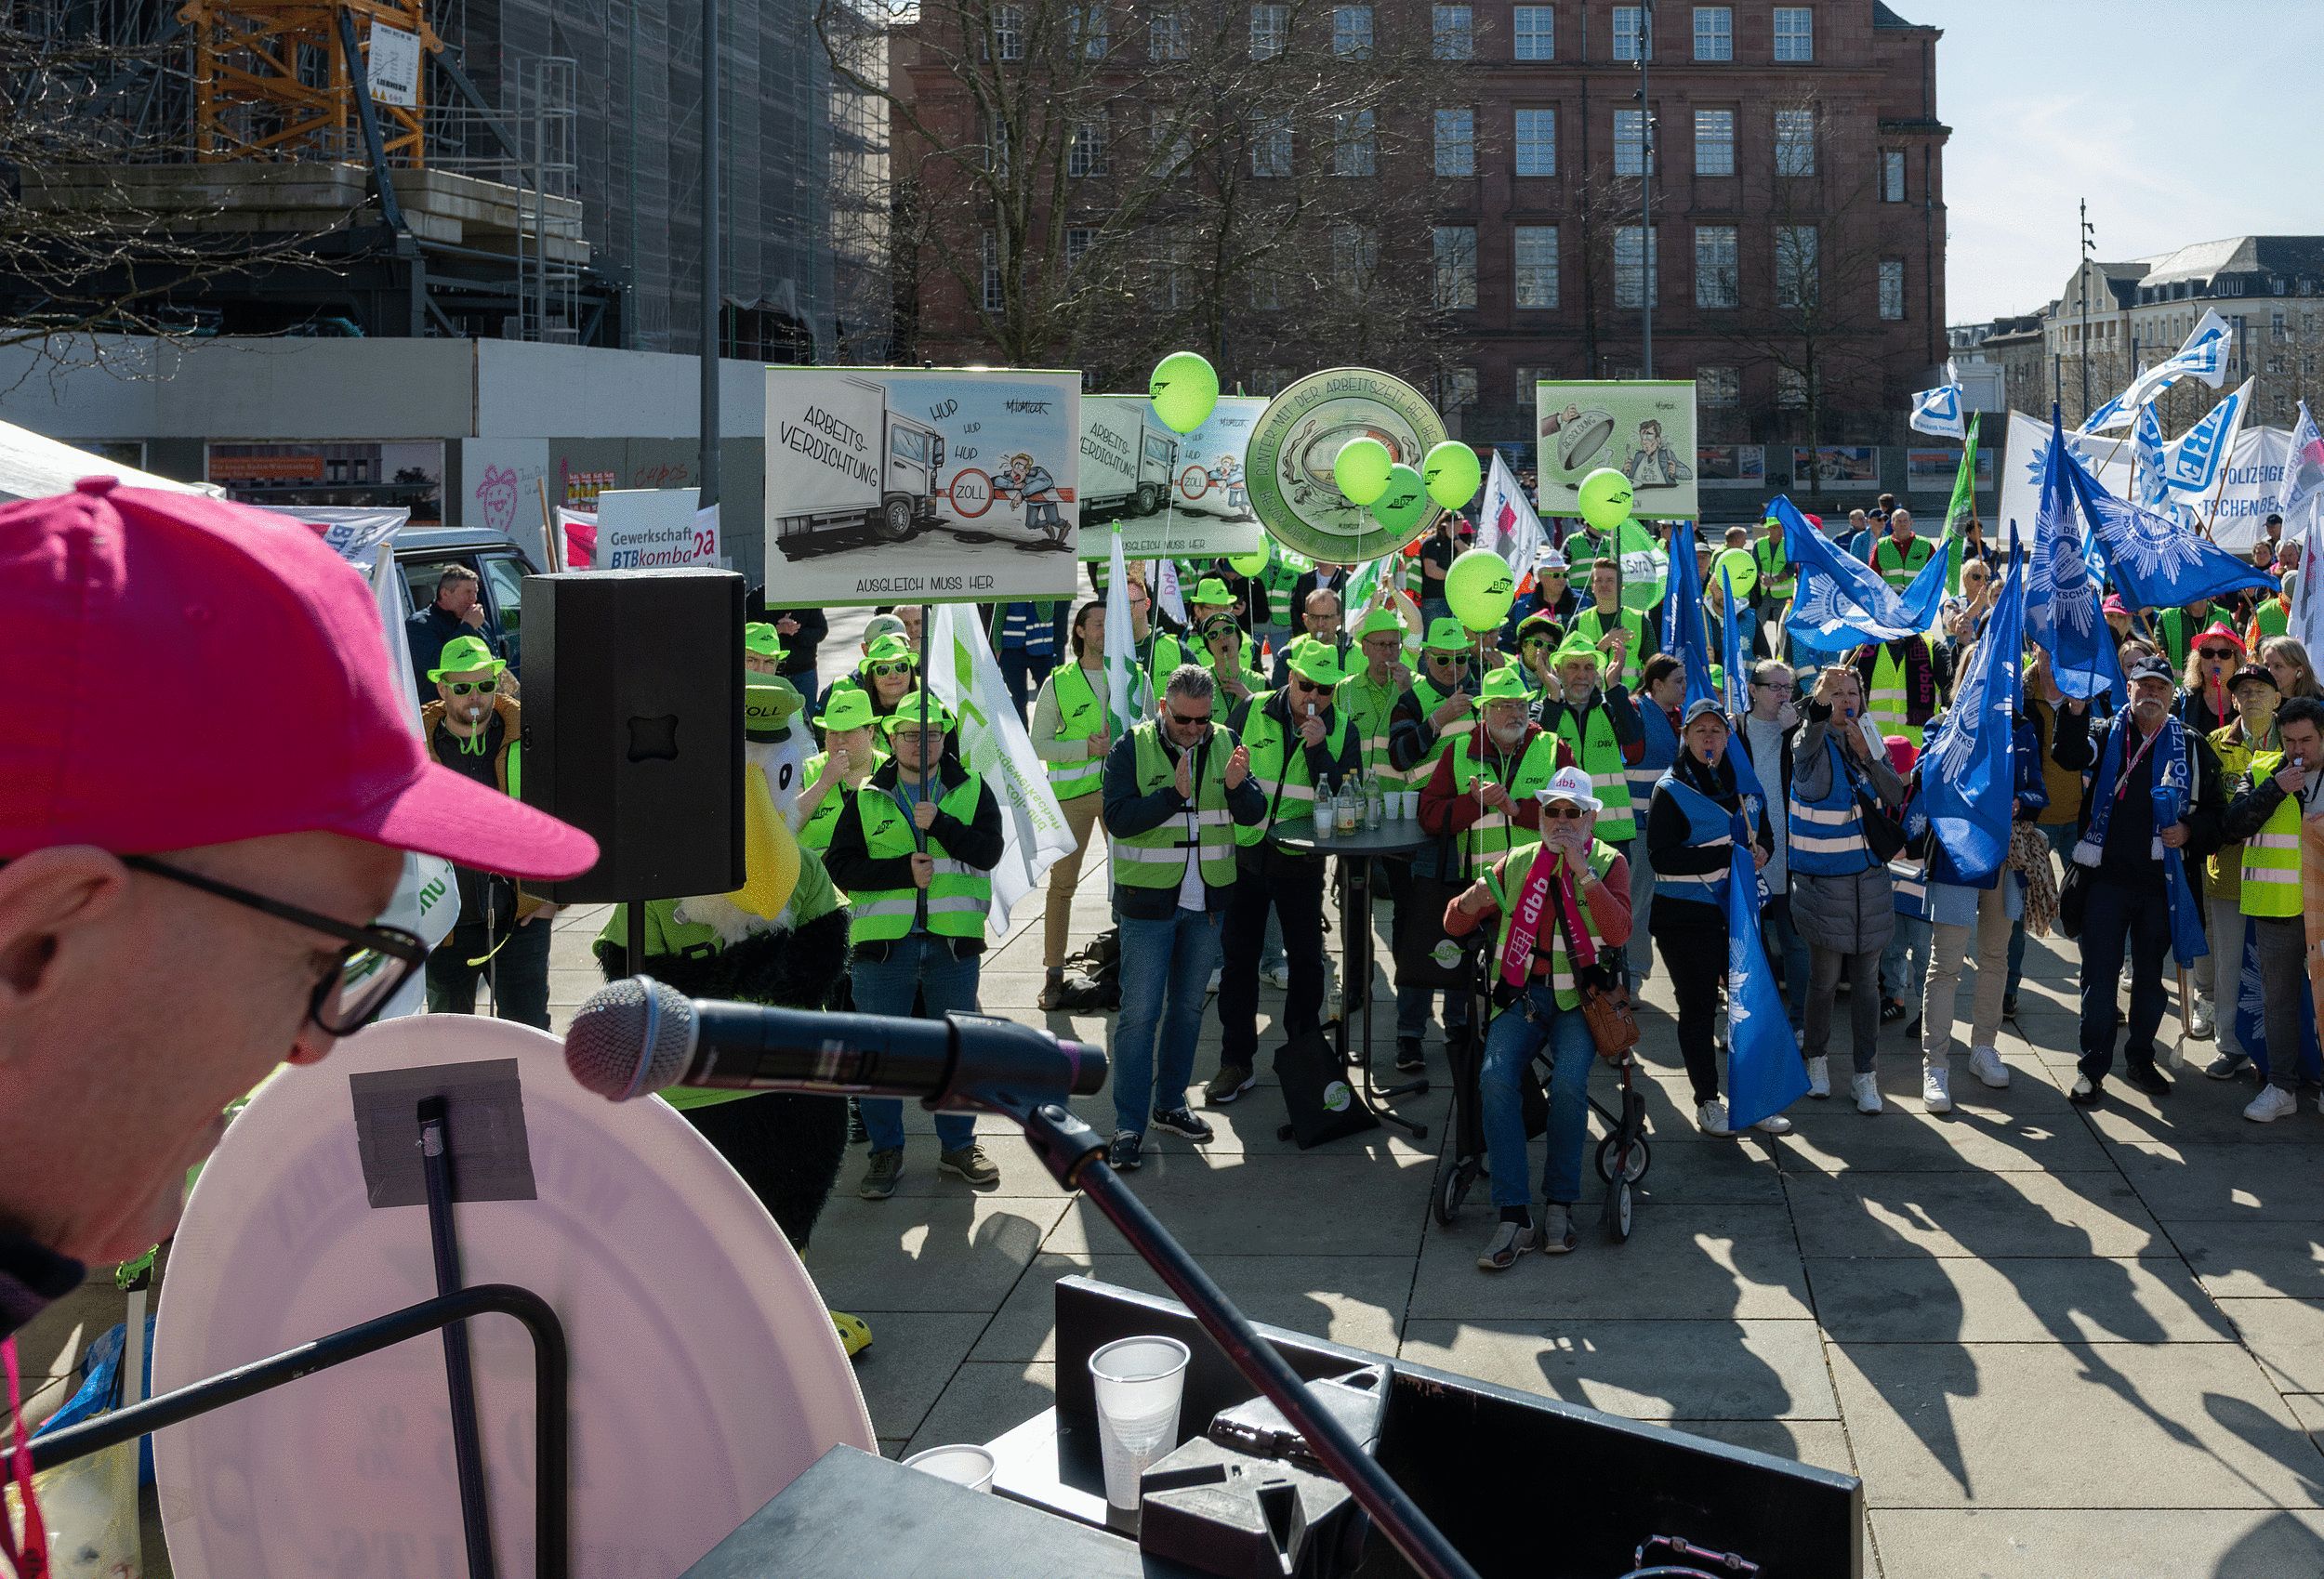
1577 645
848 709
1316 661
1212 590
769 703
1381 621
1504 684
762 640
891 649
1449 635
465 655
908 712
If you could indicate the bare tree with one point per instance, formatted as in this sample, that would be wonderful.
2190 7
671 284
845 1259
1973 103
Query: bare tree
1095 183
94 242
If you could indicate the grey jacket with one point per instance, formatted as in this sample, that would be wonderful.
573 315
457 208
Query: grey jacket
1858 913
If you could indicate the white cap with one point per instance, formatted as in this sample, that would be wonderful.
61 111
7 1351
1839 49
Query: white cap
1569 784
1549 560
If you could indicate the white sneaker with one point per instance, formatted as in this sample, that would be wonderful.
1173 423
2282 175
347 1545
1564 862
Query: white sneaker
1278 975
1712 1118
1987 1065
1936 1088
1773 1123
1868 1093
2202 1023
2272 1103
1819 1077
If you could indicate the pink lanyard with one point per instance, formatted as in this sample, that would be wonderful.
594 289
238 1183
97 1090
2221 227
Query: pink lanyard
30 1561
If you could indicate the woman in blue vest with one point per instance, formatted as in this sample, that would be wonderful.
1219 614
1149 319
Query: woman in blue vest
1661 689
1692 824
1842 901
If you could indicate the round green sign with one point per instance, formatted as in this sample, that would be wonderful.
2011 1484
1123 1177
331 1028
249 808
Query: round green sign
1298 436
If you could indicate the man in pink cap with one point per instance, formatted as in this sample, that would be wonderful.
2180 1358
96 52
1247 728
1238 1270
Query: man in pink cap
185 904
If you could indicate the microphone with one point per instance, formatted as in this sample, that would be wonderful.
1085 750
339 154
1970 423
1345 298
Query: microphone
639 1036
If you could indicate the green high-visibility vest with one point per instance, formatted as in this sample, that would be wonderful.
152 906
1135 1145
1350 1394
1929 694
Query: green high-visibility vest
1080 713
1601 756
1431 699
1550 941
1156 859
957 895
817 831
1368 706
1495 831
1278 763
2269 620
1886 702
2271 857
2178 628
1169 652
1898 566
1597 627
1773 559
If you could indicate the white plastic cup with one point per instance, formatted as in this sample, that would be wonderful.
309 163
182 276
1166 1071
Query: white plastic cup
1139 1382
1408 804
963 1464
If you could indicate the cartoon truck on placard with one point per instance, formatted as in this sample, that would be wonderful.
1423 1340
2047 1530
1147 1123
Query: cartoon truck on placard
1110 491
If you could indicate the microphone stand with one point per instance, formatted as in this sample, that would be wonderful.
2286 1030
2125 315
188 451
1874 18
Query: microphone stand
1076 1156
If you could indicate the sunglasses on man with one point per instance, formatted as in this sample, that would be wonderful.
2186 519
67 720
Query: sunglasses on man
468 688
1562 813
1189 721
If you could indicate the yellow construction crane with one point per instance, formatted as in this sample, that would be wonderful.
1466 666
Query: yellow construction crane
271 79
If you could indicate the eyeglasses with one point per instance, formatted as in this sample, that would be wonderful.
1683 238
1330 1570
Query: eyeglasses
463 688
1562 813
888 671
372 967
1771 685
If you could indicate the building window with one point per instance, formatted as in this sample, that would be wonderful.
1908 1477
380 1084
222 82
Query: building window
1087 154
1795 142
1714 32
1630 151
1716 268
1166 34
1536 276
1174 153
1453 33
1536 32
1632 37
1458 389
1352 30
1714 142
1355 149
992 272
1892 289
1892 174
1791 389
1177 286
1795 266
1536 142
1078 240
1008 33
1627 291
996 146
1270 146
1456 143
1527 381
1266 290
1795 33
1719 388
1088 27
1455 266
1270 31
1354 254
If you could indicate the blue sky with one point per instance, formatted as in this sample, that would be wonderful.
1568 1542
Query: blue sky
2180 123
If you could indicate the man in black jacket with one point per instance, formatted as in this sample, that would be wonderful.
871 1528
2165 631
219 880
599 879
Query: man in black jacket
2126 909
1161 805
457 611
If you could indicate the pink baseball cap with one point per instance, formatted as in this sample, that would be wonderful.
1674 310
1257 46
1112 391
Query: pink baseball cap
186 671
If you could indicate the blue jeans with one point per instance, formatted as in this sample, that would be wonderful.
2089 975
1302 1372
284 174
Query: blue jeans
924 964
1510 1042
1166 976
1905 962
1789 949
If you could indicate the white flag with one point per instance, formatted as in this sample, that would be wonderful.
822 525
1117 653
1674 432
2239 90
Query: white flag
2204 356
1168 594
2191 461
1506 522
1125 684
995 747
2308 593
1941 411
2304 467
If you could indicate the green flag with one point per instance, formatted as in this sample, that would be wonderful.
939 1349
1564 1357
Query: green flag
1963 506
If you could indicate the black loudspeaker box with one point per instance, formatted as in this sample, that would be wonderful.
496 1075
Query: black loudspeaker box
633 727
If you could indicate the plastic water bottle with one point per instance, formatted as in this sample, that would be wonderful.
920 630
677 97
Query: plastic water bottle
1326 813
1351 808
1375 802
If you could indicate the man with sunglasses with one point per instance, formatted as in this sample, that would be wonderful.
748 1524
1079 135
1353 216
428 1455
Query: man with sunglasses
1176 789
163 946
1300 743
503 933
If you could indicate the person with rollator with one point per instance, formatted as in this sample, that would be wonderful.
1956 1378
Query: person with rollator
1563 906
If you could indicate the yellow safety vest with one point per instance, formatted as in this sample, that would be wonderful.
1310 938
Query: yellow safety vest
1601 756
1080 713
1550 939
1495 831
958 895
2271 857
1279 766
1156 859
1368 707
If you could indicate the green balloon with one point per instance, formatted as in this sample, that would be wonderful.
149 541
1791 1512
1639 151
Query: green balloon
1185 390
1451 472
1604 498
1480 590
1740 568
1361 470
1251 563
1403 502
